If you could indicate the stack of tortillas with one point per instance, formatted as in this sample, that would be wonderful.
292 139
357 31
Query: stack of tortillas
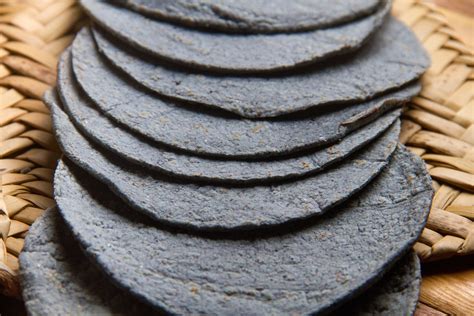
232 157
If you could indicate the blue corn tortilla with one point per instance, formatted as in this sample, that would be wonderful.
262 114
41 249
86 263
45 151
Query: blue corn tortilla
220 207
58 279
82 121
232 53
308 268
254 16
391 59
209 133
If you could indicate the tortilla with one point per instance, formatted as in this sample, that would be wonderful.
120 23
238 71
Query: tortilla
57 278
222 207
116 141
232 53
207 133
308 269
254 16
396 294
390 60
195 168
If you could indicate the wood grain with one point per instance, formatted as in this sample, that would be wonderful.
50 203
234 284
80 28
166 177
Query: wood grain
449 286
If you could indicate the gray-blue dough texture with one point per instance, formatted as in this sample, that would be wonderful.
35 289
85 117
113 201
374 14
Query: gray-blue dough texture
232 53
311 268
254 16
396 294
116 141
392 58
207 133
57 279
223 207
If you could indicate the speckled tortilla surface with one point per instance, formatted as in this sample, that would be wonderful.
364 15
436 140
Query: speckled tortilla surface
395 295
308 268
254 15
390 60
223 207
58 279
84 122
232 53
208 132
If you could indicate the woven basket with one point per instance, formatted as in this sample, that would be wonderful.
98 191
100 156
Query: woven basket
438 125
32 35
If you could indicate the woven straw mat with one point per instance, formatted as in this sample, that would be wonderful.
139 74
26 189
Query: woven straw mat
32 35
438 125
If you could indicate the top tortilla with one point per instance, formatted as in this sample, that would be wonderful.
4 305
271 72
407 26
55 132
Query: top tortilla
391 59
57 279
254 16
306 269
232 53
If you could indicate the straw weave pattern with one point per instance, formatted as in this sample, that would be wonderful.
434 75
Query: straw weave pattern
438 125
32 35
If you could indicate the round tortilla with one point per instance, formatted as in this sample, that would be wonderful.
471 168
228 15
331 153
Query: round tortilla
219 207
254 16
230 53
306 269
57 278
183 127
393 58
111 138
